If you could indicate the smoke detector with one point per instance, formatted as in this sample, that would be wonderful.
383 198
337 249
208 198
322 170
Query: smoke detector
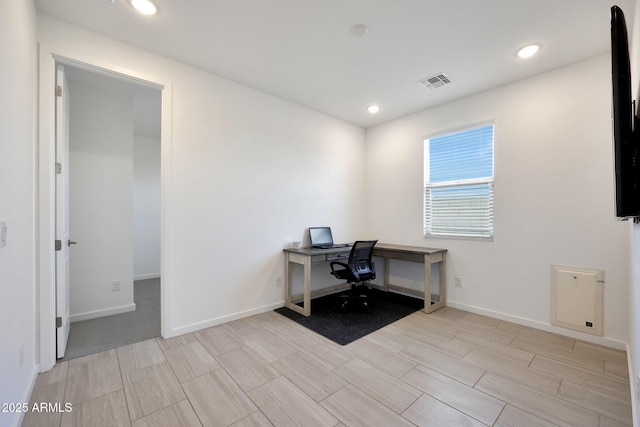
436 81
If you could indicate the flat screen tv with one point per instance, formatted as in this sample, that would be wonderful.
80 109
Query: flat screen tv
625 130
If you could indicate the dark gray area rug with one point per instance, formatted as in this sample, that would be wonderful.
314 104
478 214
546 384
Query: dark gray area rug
327 320
104 333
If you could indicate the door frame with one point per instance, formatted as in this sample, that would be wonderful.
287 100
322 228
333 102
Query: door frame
46 191
62 212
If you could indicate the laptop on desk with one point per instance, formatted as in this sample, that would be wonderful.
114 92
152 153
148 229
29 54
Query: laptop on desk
321 238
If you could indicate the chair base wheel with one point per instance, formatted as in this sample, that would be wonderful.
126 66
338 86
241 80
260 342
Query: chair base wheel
353 303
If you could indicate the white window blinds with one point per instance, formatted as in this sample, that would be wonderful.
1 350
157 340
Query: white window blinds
458 171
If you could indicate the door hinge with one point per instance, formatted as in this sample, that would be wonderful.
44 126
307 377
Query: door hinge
58 168
58 322
58 245
58 90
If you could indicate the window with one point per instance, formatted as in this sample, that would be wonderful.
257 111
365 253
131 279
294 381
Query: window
458 184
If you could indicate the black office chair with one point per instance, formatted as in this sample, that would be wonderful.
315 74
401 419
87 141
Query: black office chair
360 267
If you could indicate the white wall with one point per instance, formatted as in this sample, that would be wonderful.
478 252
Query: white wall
17 208
100 198
553 194
634 283
146 207
247 174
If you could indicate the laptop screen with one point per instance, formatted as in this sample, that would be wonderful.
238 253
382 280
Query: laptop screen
320 236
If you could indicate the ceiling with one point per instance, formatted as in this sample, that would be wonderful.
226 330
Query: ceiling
303 50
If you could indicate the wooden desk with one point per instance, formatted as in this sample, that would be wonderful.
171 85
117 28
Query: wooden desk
308 256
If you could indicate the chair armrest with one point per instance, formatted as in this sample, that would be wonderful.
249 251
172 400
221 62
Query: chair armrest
341 264
346 267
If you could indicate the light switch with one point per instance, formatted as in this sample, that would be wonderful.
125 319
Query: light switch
3 234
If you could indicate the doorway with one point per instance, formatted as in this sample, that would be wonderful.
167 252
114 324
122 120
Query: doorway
95 61
114 204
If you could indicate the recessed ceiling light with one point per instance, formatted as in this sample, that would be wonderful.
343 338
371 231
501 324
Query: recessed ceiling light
529 50
359 30
373 109
146 7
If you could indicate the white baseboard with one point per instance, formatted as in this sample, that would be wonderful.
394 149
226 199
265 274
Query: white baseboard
26 396
102 313
223 319
146 276
607 342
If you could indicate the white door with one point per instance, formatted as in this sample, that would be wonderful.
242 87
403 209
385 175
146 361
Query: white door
63 241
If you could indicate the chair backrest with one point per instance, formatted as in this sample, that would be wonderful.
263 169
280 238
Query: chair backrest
360 259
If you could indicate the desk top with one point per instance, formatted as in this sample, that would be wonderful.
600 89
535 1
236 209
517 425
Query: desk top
407 249
314 251
381 246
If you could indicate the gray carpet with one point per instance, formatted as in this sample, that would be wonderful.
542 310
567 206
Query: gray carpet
96 335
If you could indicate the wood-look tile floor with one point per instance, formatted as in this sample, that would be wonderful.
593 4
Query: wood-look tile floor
448 368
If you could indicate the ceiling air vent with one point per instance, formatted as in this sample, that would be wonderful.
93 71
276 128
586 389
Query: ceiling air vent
434 82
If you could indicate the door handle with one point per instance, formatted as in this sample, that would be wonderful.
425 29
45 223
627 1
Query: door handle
69 243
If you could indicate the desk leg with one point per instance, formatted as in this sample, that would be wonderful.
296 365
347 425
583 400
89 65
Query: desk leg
305 262
427 283
429 261
386 274
287 281
443 280
307 287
